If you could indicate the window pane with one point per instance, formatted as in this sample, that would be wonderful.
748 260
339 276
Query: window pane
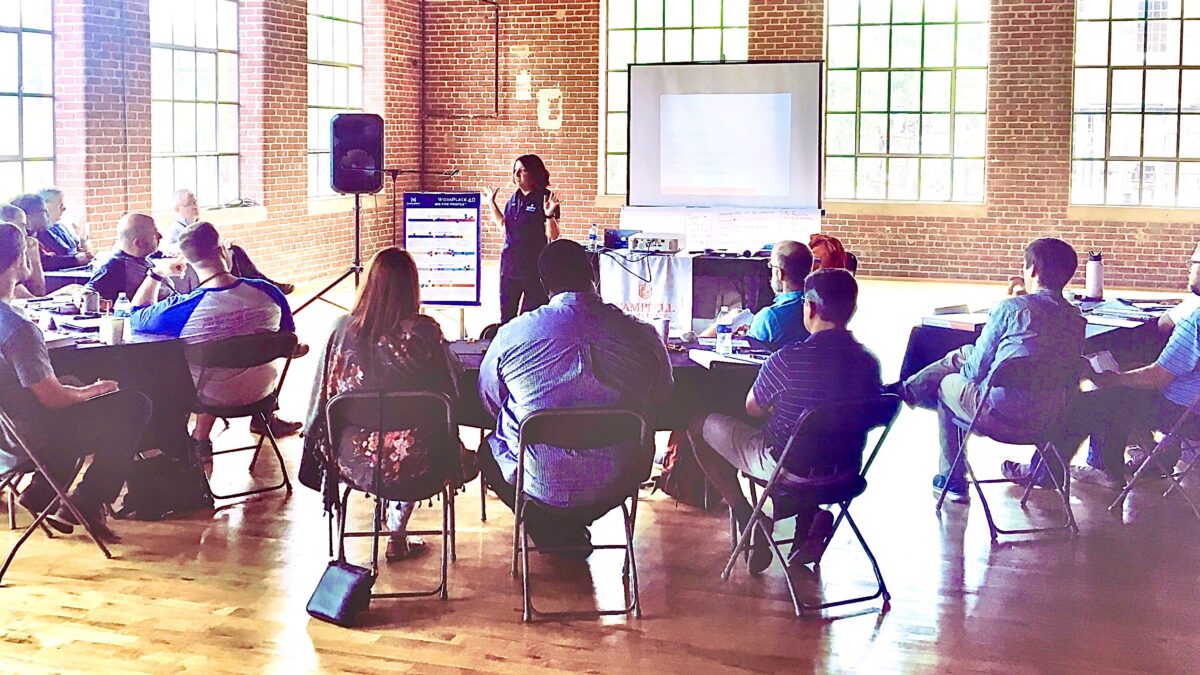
935 134
227 25
707 44
206 128
1087 182
1189 184
185 177
1162 43
1123 183
1126 136
708 13
1091 9
902 179
617 172
971 90
843 12
1088 137
185 128
737 12
939 10
968 180
650 46
618 91
1128 43
874 52
10 177
1091 90
650 14
1191 43
228 178
839 134
206 77
1190 97
843 47
35 14
206 180
161 132
161 73
10 16
876 11
839 178
227 77
1189 136
906 47
737 46
905 135
969 136
678 13
874 91
936 91
227 128
8 54
902 11
972 45
1159 135
872 178
906 91
873 133
1158 184
620 49
1127 90
37 67
37 117
620 13
1091 43
973 10
38 175
617 132
1162 90
185 75
935 180
843 93
939 46
679 46
206 23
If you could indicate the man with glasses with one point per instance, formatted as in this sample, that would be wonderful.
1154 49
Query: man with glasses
60 238
782 322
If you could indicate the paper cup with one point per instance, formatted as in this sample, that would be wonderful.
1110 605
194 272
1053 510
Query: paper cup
112 330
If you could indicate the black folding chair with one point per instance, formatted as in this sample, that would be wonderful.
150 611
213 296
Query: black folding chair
1176 435
828 440
584 430
1028 373
245 351
378 413
34 466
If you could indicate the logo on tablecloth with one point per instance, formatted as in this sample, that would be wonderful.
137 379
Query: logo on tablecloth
645 290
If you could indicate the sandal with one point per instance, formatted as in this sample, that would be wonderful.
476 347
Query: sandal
401 547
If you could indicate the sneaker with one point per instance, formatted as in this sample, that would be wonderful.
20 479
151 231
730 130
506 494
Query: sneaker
1021 475
400 547
1094 476
956 492
279 427
813 547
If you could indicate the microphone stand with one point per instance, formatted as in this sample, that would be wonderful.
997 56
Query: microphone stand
396 173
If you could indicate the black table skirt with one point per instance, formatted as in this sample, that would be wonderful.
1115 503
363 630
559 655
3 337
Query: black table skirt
158 369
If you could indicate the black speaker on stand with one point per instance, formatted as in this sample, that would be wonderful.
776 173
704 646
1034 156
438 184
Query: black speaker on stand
355 168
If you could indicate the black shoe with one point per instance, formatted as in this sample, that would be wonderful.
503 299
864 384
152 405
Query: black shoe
761 554
1021 474
95 513
35 508
898 389
279 428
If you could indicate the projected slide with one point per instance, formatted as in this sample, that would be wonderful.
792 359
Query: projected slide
725 144
441 232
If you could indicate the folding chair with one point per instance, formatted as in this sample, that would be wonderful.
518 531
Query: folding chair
828 440
584 430
244 351
1028 373
34 466
378 412
1174 436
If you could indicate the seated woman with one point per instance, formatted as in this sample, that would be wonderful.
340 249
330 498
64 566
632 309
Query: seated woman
828 252
384 344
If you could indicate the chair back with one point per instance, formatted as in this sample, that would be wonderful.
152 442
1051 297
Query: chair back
379 412
830 439
242 351
489 331
591 429
851 262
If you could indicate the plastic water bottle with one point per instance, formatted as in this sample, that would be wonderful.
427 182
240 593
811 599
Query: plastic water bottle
724 332
594 238
122 306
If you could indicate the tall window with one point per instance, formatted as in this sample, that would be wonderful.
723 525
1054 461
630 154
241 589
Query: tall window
906 97
654 31
335 78
26 97
1136 132
194 94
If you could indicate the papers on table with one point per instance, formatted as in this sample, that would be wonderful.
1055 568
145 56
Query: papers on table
55 338
1103 362
1115 321
707 358
969 321
738 343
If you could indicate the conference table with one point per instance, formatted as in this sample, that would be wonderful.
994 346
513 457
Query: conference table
697 389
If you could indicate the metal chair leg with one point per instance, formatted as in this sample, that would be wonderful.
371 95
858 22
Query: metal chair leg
453 523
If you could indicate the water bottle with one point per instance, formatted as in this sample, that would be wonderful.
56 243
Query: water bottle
122 306
724 345
1093 276
594 238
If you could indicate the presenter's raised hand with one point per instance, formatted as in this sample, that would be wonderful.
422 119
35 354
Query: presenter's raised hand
489 193
551 204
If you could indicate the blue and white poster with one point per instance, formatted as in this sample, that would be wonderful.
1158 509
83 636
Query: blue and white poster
441 232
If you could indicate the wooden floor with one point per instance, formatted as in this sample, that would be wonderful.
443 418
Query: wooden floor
225 591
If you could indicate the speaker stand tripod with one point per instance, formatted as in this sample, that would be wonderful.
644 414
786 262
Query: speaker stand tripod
356 267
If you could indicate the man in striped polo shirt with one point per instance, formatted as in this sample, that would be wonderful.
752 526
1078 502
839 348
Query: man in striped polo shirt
830 366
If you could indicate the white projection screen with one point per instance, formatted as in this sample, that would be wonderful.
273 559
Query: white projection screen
725 134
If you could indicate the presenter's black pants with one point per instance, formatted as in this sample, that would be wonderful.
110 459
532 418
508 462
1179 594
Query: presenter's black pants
519 292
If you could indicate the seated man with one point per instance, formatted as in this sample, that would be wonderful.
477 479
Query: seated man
1139 400
574 352
782 322
126 269
221 306
37 221
1038 323
60 238
59 422
829 366
187 212
35 285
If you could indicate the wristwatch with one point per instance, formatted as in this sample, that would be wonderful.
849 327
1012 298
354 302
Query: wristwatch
155 276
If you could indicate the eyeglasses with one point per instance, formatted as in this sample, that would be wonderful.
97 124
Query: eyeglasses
772 266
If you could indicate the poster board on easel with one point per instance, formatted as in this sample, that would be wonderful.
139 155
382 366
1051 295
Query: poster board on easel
442 234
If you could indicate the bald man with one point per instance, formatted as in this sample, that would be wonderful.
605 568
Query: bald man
782 322
137 238
187 213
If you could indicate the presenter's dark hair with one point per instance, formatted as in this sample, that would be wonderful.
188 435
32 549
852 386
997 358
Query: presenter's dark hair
1055 261
391 294
833 294
565 268
534 165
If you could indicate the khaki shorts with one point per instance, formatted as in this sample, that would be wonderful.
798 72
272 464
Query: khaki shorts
742 445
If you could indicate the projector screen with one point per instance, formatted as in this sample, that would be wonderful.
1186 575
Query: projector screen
725 134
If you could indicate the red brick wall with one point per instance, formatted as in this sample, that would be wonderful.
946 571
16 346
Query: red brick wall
103 139
1028 145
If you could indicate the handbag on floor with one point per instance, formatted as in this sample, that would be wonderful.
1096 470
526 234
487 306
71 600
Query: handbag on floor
161 485
343 592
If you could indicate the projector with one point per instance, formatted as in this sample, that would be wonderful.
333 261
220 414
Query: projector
655 243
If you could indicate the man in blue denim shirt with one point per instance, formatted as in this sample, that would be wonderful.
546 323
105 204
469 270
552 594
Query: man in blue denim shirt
574 352
1040 323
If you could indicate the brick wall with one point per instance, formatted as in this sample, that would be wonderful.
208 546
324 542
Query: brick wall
103 138
1028 145
102 83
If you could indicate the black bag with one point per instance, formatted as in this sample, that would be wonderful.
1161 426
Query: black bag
682 477
162 485
343 592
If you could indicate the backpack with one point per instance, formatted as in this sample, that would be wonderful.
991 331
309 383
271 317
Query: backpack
682 477
162 485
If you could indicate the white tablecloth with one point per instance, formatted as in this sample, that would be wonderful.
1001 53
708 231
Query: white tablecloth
649 287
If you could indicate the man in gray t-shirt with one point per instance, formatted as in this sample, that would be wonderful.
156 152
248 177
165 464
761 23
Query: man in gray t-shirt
59 423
